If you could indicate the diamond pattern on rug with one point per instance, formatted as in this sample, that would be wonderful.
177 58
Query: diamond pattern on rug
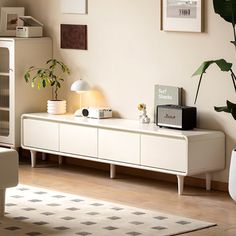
41 223
36 211
72 209
40 192
13 228
20 218
136 223
183 222
29 209
160 217
110 228
33 233
133 233
83 233
159 228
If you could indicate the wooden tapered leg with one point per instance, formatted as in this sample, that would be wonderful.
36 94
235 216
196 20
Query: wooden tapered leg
208 181
180 184
60 160
15 148
2 201
33 158
112 171
44 156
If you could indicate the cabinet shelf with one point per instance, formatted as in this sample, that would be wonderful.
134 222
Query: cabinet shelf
4 74
4 109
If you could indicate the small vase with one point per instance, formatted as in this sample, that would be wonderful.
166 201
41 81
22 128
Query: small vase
232 176
56 107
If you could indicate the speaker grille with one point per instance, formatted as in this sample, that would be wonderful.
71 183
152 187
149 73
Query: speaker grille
170 117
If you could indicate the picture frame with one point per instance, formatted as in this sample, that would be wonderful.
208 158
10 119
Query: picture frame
9 20
182 15
74 6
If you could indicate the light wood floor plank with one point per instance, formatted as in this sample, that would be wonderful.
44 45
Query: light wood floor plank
213 206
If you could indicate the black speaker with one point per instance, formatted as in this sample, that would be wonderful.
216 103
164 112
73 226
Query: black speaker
178 117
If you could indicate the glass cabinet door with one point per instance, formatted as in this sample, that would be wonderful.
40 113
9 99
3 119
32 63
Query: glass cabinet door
5 115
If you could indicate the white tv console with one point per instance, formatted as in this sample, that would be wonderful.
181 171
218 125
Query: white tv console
126 143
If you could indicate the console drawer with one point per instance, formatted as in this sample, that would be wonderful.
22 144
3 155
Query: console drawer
119 146
80 140
40 134
164 152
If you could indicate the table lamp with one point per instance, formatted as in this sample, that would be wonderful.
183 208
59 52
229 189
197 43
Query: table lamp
79 86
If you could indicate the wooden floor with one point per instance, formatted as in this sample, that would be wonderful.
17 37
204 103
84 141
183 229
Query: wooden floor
144 193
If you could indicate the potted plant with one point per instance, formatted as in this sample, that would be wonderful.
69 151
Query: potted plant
51 75
227 10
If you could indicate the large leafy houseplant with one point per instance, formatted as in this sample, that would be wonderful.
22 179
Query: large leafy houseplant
227 10
51 75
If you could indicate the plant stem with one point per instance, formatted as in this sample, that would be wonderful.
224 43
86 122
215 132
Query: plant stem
56 90
234 33
233 79
199 83
233 19
233 24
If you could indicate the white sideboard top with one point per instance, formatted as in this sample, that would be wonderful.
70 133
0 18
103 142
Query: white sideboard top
22 39
128 125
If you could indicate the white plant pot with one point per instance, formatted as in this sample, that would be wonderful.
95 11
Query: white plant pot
56 107
232 176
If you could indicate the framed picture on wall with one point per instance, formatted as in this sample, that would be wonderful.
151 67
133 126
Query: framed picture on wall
74 6
181 15
9 20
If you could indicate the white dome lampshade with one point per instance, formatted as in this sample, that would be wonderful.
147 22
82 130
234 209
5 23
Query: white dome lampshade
80 86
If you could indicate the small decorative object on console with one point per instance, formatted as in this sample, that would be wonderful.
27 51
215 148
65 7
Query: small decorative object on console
32 28
97 113
178 117
143 118
165 94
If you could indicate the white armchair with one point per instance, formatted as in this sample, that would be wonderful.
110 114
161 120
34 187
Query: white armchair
8 173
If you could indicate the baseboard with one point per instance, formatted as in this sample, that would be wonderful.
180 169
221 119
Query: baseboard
189 181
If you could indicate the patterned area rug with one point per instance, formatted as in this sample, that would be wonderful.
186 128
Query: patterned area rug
36 211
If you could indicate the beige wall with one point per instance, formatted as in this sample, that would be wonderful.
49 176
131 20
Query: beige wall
7 3
127 54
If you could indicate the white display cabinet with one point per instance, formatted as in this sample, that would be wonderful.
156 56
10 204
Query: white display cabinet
17 97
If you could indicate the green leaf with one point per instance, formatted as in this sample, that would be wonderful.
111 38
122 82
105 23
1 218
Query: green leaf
221 63
27 77
39 72
234 43
44 83
222 109
226 9
230 105
48 61
230 108
233 112
39 85
32 84
224 65
202 68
